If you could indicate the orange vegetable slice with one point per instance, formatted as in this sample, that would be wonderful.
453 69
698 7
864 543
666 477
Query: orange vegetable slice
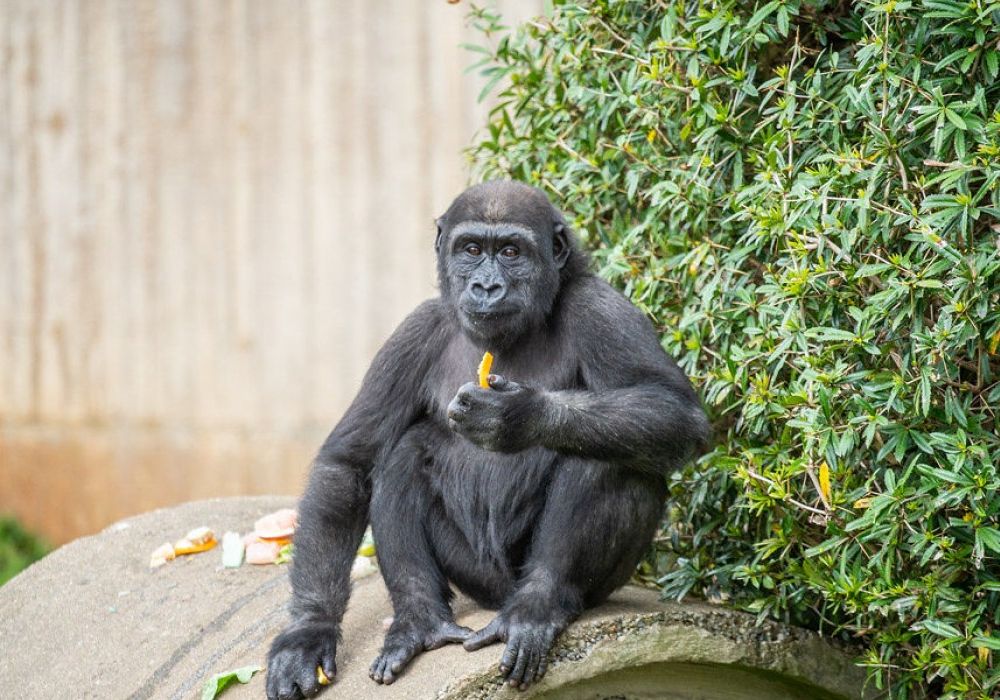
188 547
484 370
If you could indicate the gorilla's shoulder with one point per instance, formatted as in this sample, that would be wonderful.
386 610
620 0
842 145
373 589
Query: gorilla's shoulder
430 318
429 311
591 295
597 310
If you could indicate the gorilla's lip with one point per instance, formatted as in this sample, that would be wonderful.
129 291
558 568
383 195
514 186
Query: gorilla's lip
489 314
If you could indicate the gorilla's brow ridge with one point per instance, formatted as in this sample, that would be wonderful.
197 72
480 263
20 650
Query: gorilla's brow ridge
492 230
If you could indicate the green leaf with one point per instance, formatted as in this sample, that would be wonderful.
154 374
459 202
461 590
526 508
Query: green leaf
955 119
987 642
942 629
990 537
220 681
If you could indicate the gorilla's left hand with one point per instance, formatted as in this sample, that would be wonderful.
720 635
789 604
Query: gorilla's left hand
507 417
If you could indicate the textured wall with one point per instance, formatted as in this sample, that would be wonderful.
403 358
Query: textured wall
212 213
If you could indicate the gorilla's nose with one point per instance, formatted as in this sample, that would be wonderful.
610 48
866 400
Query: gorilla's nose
488 292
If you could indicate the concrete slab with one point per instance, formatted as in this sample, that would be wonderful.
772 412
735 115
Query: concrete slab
91 620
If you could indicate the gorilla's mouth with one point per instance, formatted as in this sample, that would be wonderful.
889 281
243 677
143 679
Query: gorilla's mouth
477 312
491 316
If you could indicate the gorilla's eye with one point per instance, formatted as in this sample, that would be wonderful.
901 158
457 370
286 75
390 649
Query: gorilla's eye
510 252
473 249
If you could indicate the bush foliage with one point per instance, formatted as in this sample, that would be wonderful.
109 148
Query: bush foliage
18 549
804 197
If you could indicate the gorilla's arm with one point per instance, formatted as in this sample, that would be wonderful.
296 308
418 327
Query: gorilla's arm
638 408
333 511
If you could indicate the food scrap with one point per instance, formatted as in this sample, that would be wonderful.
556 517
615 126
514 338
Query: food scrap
367 548
271 539
232 550
262 552
362 567
484 370
200 539
278 525
321 677
270 542
220 681
161 555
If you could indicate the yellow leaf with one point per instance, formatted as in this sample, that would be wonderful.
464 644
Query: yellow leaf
862 503
651 136
824 481
984 654
994 341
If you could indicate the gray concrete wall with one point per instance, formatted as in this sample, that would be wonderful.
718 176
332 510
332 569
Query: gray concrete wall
212 213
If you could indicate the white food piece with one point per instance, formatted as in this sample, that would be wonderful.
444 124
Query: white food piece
362 567
161 555
199 536
232 550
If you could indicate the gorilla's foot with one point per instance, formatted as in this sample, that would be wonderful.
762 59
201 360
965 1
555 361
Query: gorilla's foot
407 640
525 659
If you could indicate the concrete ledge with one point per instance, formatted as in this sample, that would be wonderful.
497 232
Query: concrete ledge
91 620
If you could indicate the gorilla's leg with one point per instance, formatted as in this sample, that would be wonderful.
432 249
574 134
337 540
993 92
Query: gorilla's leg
597 522
420 593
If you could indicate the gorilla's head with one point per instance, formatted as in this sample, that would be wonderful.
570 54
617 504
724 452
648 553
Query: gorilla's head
503 253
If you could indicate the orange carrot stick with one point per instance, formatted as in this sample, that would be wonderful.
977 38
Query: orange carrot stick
484 370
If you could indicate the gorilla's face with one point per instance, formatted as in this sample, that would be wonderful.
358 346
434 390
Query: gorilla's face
501 246
501 278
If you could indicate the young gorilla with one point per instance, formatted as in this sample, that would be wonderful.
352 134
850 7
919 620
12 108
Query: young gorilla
536 497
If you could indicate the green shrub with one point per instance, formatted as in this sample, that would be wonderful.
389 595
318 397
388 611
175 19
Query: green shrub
804 197
18 549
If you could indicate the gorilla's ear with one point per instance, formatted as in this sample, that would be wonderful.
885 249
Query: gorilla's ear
437 239
560 244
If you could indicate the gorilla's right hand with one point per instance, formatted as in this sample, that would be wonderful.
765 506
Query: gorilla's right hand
294 657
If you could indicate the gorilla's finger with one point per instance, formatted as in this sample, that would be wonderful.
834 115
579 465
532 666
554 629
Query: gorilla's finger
484 637
509 658
516 676
531 670
329 665
448 633
498 382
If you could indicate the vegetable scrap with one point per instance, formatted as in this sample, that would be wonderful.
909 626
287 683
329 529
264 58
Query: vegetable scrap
285 554
220 681
232 550
484 370
262 552
201 539
271 539
269 543
278 525
321 677
161 555
367 548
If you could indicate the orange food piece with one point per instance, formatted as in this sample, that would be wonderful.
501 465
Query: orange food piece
186 546
484 370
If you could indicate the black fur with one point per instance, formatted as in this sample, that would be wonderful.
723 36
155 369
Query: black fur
536 497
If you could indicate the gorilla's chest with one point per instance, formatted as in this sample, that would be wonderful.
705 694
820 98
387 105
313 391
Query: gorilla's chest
543 365
485 493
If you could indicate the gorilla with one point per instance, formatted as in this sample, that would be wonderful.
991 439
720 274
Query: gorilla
536 497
